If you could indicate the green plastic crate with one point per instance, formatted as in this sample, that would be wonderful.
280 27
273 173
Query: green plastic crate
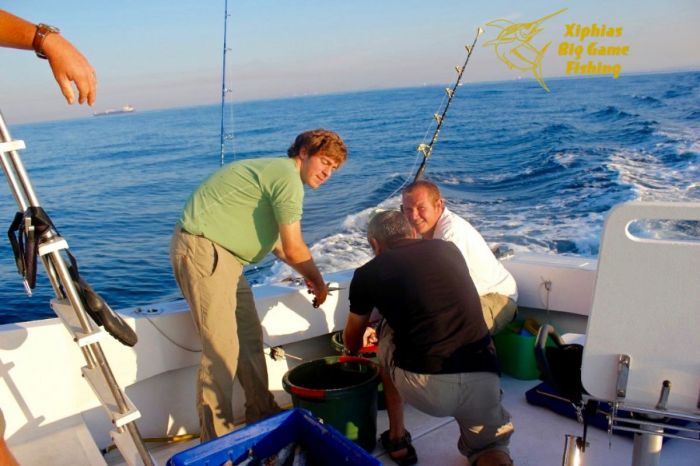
516 351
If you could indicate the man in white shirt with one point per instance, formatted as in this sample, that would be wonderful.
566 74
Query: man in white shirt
424 207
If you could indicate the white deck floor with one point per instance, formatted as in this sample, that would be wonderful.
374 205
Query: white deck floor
538 439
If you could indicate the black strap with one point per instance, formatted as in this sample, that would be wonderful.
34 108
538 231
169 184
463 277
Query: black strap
17 248
102 313
25 237
589 410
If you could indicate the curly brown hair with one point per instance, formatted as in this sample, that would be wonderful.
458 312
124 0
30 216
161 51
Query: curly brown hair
320 140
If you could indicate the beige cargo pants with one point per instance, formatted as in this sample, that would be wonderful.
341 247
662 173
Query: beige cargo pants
222 306
499 311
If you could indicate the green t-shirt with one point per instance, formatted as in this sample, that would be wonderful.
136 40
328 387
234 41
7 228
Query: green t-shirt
241 205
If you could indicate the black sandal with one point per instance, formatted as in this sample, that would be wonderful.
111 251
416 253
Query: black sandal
392 446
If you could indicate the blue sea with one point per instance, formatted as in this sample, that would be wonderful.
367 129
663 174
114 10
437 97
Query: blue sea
533 171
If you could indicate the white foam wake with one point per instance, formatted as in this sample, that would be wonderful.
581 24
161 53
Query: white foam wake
347 249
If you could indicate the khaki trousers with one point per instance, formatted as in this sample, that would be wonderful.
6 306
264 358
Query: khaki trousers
222 307
499 310
472 398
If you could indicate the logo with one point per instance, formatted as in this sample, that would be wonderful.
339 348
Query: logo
514 45
589 49
585 41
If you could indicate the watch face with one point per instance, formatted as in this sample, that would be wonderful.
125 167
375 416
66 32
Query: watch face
48 28
42 30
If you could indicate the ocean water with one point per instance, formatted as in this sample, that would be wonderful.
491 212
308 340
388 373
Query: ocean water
531 170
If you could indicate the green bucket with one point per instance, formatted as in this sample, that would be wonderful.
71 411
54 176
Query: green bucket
340 390
369 352
515 346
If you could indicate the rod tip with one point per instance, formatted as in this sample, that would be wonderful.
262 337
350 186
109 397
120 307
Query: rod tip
480 32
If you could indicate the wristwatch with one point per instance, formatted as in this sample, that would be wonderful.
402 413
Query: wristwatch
42 30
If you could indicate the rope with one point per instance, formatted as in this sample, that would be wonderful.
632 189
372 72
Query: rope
409 176
547 284
275 352
191 350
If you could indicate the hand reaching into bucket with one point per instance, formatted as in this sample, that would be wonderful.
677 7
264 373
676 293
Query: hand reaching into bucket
370 337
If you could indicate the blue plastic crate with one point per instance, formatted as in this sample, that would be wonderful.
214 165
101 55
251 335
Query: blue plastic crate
323 444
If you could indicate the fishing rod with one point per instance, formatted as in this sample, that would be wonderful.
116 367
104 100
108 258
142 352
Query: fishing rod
427 149
224 90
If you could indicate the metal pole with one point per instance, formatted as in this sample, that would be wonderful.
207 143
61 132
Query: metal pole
646 450
224 89
56 267
12 180
573 451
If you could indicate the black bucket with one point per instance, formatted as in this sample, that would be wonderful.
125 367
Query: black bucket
369 352
341 390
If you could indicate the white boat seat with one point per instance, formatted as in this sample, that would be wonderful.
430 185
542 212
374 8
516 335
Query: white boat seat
646 305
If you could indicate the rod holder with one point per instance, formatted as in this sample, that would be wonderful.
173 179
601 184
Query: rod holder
623 370
574 447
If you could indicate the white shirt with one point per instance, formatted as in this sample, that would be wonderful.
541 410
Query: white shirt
488 273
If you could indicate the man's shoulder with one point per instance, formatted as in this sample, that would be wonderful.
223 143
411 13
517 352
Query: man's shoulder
365 268
362 279
430 248
454 218
451 226
284 163
278 173
441 245
261 162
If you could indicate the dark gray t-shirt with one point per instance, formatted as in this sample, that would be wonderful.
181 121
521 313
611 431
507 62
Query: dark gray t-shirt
424 291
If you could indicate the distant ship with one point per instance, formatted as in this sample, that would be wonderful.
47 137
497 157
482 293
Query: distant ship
115 111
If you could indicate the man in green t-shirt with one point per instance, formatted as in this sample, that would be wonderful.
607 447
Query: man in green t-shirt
242 212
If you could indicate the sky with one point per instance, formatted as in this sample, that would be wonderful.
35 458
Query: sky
155 54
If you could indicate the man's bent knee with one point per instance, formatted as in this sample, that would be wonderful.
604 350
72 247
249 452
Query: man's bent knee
493 458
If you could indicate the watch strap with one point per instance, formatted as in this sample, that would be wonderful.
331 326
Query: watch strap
42 30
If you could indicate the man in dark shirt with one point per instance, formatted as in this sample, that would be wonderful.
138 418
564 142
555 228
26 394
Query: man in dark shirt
434 347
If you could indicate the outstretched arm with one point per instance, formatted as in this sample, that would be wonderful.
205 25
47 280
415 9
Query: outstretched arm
67 63
292 250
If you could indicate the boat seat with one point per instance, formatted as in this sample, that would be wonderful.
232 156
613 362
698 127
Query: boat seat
642 354
645 308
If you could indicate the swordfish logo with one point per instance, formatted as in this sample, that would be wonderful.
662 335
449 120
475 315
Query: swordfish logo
514 45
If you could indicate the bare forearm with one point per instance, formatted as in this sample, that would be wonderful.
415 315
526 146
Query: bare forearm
15 32
294 254
293 250
352 340
309 271
68 65
354 331
300 260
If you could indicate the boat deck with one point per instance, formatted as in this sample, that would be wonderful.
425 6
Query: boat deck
538 439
